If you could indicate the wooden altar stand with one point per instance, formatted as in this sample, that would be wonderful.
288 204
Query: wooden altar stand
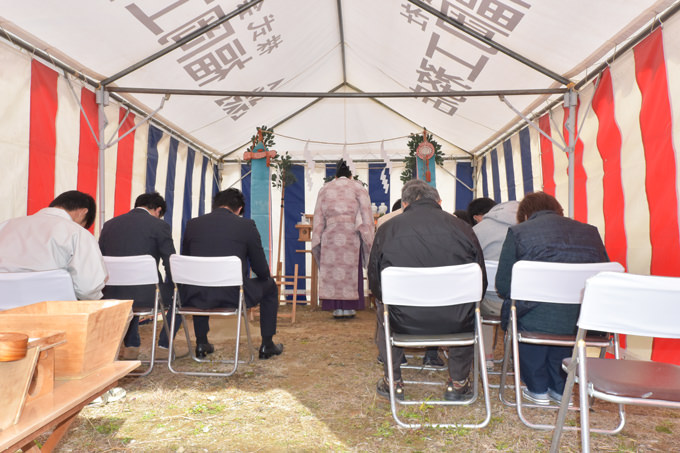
305 235
58 409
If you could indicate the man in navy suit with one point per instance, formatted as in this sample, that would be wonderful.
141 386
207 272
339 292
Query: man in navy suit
224 232
139 232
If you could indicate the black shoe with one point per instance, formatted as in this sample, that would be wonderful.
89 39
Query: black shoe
457 392
383 389
403 360
268 351
203 349
432 359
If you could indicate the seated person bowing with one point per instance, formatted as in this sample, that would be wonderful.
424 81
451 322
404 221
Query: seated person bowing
223 232
544 234
423 235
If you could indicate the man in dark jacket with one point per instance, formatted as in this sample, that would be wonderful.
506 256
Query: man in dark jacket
224 233
425 236
139 232
544 234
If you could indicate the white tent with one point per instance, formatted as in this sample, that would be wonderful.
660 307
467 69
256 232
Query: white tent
307 47
354 78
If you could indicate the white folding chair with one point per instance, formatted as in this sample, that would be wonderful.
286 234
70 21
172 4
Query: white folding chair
135 271
23 288
435 287
629 304
220 271
544 282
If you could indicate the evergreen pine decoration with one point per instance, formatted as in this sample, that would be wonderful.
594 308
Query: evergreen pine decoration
267 138
409 171
282 176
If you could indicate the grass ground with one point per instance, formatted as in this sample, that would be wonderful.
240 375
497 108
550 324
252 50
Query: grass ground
320 396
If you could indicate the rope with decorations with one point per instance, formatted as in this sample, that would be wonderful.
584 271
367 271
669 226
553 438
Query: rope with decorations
415 140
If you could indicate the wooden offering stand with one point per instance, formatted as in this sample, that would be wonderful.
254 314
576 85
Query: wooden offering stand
305 235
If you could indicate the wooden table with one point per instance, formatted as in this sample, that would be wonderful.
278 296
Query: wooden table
59 408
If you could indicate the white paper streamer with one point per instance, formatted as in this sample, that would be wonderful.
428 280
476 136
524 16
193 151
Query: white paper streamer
385 181
388 166
310 165
383 155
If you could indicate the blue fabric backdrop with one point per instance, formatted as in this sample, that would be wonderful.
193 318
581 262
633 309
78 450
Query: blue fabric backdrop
155 135
201 196
294 206
463 194
170 180
376 189
188 187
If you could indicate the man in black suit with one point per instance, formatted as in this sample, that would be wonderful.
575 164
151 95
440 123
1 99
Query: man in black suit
139 232
224 233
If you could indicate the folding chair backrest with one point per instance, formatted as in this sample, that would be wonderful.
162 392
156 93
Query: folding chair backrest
23 288
131 270
563 283
491 269
643 305
206 270
432 286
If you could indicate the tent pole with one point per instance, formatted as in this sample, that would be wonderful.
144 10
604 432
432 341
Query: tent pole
530 123
570 100
341 95
102 100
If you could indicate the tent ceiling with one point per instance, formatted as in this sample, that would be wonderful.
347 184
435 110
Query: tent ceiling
333 46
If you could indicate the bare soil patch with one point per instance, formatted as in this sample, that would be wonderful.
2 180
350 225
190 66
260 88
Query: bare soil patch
320 396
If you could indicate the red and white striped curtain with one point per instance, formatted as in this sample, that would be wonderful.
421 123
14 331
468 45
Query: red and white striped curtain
48 146
626 161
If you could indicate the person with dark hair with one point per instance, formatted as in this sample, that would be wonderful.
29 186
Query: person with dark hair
77 203
56 238
462 215
140 232
478 207
342 234
423 235
223 232
544 234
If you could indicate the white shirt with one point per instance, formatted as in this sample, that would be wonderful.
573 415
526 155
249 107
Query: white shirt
48 240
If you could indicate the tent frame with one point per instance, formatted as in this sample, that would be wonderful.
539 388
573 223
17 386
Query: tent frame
570 98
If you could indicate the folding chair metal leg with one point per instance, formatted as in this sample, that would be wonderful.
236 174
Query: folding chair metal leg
566 398
152 359
478 367
504 368
585 412
166 328
506 347
518 388
240 316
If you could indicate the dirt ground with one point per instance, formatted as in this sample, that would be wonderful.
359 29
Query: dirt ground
320 396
